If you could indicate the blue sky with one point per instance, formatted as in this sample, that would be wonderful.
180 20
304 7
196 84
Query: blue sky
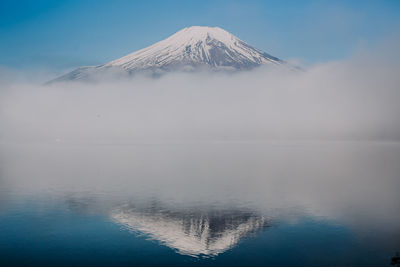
65 34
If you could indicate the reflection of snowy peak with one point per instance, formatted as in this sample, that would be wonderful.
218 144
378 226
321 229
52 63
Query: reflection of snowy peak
203 233
189 49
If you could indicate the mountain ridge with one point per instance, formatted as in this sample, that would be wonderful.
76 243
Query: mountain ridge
190 49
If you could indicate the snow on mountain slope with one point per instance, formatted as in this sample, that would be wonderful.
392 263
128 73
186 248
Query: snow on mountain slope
189 49
196 46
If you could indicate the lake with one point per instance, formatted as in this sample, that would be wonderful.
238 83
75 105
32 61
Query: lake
218 203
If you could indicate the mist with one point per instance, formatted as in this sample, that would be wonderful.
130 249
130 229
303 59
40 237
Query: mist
274 141
353 99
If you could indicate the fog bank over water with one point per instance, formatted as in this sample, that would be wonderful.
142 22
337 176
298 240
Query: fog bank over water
354 99
201 161
349 183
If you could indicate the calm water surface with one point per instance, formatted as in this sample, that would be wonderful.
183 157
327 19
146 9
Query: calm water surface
210 203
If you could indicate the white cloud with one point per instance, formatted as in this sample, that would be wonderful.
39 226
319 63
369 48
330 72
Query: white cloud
353 99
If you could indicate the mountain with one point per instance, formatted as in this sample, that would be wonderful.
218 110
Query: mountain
190 49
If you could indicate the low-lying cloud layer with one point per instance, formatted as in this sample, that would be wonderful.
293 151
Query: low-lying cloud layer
353 99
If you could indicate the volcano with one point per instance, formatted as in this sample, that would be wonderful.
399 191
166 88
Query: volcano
190 49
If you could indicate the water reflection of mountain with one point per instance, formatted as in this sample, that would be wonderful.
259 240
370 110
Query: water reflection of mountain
198 232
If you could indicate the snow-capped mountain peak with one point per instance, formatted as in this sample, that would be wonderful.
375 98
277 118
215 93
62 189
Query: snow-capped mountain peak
196 46
190 49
